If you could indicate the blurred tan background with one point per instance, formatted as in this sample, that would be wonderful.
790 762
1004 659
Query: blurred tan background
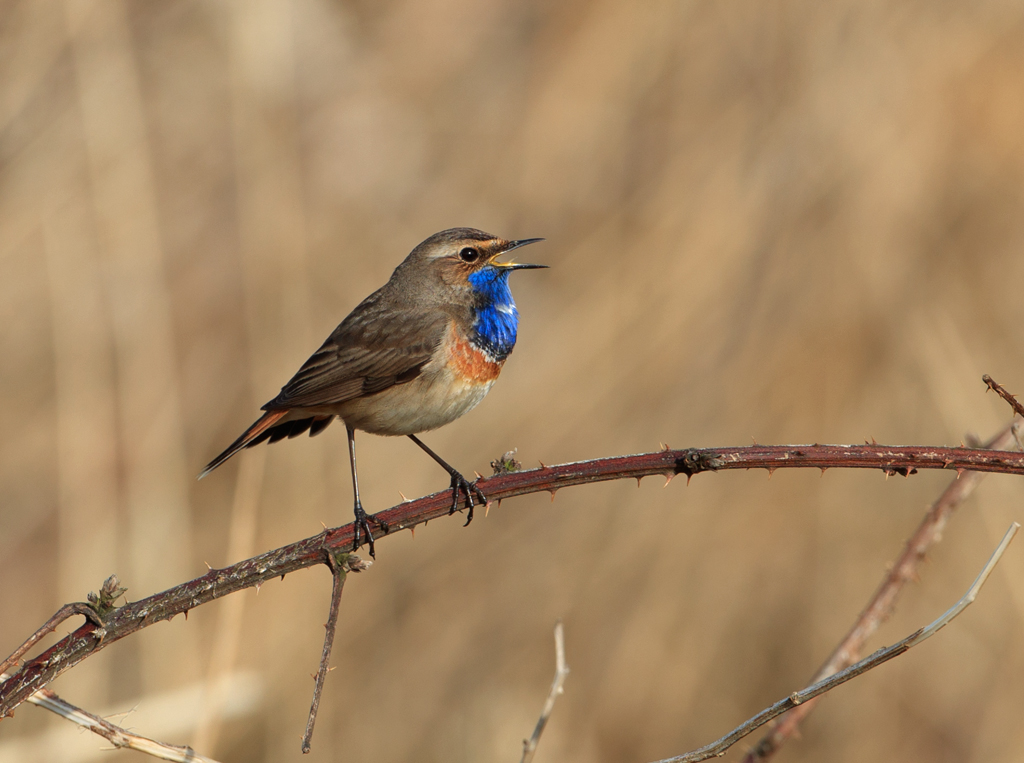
791 222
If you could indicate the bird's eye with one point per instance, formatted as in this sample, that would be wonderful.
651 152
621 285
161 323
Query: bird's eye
469 254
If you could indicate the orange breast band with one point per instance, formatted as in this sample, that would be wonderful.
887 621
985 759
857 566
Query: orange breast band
469 363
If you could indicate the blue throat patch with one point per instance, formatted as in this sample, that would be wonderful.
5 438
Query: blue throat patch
497 319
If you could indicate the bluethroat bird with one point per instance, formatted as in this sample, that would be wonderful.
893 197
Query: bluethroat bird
413 356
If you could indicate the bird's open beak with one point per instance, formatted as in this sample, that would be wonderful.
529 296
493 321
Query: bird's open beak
517 265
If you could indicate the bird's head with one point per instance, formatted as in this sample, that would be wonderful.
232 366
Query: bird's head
458 269
468 258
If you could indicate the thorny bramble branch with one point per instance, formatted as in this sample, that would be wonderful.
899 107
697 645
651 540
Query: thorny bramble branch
1001 391
123 621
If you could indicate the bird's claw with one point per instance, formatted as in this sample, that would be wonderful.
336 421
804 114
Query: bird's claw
363 523
461 484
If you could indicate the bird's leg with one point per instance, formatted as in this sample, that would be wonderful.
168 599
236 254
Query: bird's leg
458 482
362 522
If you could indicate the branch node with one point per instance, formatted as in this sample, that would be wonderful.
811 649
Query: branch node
103 604
506 463
693 461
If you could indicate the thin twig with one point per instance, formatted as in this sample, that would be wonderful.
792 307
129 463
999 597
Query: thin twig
124 621
62 614
716 749
340 566
561 673
114 734
997 387
882 604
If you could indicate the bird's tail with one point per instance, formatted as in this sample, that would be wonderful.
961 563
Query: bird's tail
250 437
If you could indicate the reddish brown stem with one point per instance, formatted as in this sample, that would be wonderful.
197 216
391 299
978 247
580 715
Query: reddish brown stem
1001 391
62 614
340 566
77 646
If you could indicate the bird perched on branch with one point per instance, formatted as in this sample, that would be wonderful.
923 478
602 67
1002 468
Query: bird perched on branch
415 355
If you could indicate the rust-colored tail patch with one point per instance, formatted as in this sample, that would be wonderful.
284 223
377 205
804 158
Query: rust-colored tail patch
249 437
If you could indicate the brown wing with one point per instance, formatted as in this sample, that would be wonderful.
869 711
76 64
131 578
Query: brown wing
373 349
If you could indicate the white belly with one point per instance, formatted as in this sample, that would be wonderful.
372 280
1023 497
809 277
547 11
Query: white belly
427 402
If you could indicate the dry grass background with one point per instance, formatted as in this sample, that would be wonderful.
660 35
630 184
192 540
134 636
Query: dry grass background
788 221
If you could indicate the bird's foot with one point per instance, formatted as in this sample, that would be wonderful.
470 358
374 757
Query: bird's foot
362 524
461 485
